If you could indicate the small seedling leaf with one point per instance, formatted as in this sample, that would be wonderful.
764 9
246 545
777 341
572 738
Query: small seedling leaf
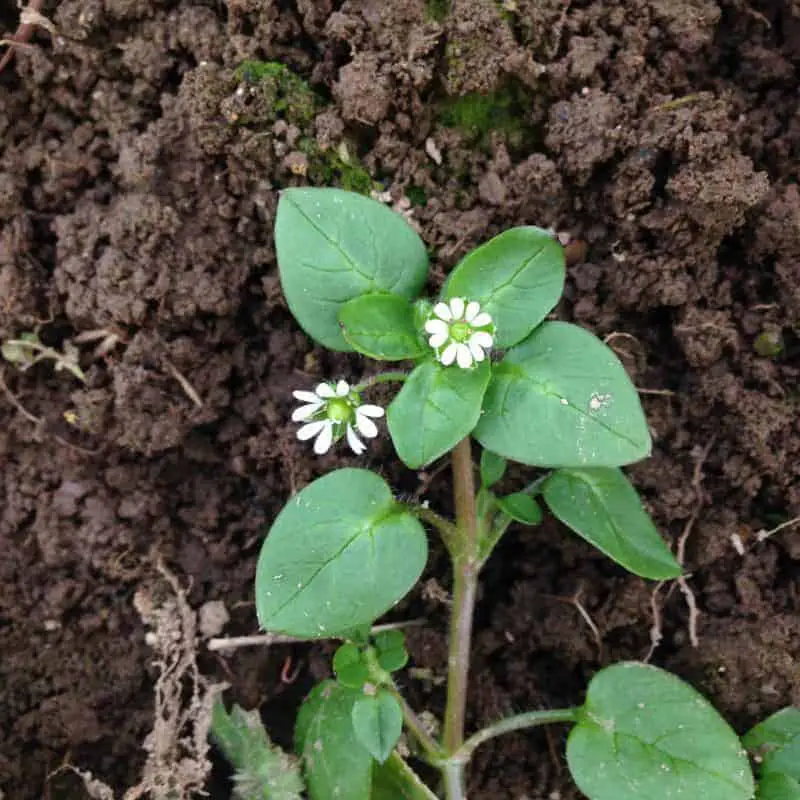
334 245
391 650
261 769
493 467
517 277
601 505
562 398
341 553
335 763
644 733
378 723
520 507
382 326
775 747
350 666
436 408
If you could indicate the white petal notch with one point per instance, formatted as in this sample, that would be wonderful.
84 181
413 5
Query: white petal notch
334 411
460 333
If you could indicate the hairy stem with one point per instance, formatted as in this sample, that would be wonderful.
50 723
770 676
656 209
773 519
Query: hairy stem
446 529
431 749
518 722
393 376
465 586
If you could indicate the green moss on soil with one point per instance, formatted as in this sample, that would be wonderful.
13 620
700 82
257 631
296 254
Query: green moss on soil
280 94
330 168
477 115
436 10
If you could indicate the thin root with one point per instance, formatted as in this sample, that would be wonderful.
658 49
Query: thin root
187 387
39 422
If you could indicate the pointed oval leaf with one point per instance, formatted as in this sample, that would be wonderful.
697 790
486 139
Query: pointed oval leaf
644 733
601 506
517 277
520 507
436 408
775 746
493 467
562 398
390 648
382 326
335 763
334 245
378 723
339 555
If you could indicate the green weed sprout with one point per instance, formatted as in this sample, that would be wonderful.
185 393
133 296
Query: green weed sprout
487 366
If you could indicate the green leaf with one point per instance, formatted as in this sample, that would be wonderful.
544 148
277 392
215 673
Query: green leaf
517 277
644 733
378 723
562 398
436 408
341 553
350 666
395 780
382 326
778 787
391 650
493 467
775 746
333 246
602 506
262 770
336 764
521 507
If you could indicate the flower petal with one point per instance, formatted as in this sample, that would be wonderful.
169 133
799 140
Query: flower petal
356 445
477 351
366 427
370 410
437 326
342 389
312 429
482 320
306 397
464 356
449 354
325 391
442 310
437 340
457 307
305 412
482 339
325 439
473 307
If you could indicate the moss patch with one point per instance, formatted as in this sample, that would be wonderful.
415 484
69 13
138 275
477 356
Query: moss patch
271 91
477 115
436 10
336 168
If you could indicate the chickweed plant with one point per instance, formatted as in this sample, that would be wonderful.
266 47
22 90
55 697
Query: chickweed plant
486 367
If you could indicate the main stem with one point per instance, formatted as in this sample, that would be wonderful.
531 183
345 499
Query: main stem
465 586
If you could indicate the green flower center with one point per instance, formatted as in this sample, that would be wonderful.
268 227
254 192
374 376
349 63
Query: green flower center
339 410
460 331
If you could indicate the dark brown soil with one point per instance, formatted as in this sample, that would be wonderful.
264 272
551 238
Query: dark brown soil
662 136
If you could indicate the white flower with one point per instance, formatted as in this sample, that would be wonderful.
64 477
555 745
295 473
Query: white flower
460 332
333 411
